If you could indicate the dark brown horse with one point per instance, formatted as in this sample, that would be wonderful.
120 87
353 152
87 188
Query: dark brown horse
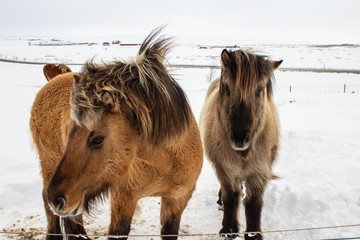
240 133
51 70
123 128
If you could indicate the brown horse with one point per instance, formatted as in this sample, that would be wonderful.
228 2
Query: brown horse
51 70
123 128
240 133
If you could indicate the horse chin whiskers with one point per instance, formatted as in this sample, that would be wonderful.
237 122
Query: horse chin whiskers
77 211
62 215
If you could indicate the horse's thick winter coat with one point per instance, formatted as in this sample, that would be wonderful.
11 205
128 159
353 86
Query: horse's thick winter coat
123 128
240 134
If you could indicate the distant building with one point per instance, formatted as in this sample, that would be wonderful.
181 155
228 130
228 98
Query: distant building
129 44
106 44
116 42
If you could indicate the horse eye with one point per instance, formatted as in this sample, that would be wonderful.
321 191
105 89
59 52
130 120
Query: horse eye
97 141
259 91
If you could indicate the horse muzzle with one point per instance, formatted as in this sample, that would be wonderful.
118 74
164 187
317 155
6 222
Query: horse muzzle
240 144
59 205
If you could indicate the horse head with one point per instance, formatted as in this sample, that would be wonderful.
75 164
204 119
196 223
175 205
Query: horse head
245 88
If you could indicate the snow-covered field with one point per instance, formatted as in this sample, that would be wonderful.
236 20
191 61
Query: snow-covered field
305 56
319 160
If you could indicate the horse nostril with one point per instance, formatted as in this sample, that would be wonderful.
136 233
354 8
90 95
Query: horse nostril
59 203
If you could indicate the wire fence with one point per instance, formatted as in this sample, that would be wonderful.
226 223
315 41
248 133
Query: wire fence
42 61
31 234
329 88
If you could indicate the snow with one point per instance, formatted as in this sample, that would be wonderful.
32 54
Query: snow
318 163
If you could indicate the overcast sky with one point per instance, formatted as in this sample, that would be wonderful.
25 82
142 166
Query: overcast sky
231 21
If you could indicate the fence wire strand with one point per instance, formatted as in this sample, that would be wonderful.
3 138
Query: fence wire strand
29 233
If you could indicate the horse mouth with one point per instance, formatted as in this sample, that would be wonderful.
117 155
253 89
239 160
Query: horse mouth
240 147
76 211
241 143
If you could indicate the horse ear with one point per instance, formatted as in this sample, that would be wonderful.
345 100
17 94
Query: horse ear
276 64
63 68
50 71
225 58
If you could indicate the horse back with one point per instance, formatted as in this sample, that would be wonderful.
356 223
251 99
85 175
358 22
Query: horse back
214 86
49 115
208 120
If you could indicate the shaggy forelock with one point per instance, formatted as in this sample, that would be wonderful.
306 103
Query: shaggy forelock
250 68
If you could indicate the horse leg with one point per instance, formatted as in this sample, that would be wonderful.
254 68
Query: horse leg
74 225
122 210
170 215
253 205
231 201
219 201
53 221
